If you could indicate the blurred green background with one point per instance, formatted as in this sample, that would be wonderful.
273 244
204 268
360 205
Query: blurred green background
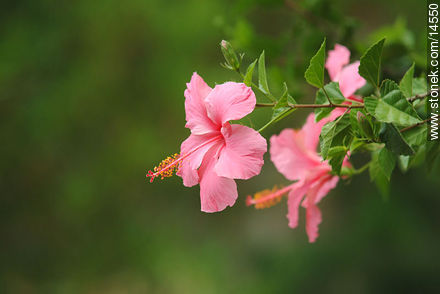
91 96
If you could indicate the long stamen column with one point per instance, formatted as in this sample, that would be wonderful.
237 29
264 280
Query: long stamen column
173 163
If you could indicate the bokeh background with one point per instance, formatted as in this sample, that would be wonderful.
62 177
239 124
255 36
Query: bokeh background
91 96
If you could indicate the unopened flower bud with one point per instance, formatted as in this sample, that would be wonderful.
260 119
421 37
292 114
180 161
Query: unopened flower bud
224 44
365 124
230 55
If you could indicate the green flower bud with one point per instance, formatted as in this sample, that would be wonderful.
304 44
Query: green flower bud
365 125
230 55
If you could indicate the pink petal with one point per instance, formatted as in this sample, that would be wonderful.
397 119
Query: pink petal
336 60
356 98
326 186
350 80
320 186
242 155
189 166
313 214
216 193
346 162
293 201
312 130
337 112
290 155
230 101
196 116
294 151
313 219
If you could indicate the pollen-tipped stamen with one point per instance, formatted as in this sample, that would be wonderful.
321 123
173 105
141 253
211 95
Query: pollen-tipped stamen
166 168
267 198
172 164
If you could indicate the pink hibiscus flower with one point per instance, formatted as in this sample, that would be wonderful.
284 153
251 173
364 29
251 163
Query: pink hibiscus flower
346 74
294 154
216 152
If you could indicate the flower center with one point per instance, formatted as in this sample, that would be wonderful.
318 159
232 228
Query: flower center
173 163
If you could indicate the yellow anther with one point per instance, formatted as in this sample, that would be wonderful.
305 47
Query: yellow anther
266 198
166 168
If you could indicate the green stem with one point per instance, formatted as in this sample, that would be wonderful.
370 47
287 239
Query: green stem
361 169
415 125
419 96
265 105
293 106
326 106
349 172
265 126
273 120
313 105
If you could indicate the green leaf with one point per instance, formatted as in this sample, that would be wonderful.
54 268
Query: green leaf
262 78
247 80
416 136
334 93
315 72
419 86
335 133
404 162
394 141
387 162
398 101
392 108
377 175
387 86
335 96
355 123
282 108
406 84
356 143
336 156
370 63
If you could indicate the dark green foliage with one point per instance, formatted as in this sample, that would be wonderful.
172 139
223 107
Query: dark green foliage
370 63
335 133
249 74
315 72
262 77
392 108
406 84
394 140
